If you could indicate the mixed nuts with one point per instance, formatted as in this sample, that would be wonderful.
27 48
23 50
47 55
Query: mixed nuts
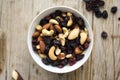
60 39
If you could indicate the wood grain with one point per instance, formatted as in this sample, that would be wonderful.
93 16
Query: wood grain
15 18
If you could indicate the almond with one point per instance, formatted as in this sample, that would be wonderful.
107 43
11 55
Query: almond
51 27
58 28
36 34
42 46
77 50
39 39
46 26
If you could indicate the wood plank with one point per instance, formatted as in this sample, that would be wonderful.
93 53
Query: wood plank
103 49
116 41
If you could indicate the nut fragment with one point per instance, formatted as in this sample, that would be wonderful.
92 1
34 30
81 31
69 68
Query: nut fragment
16 75
83 37
61 56
69 56
77 50
53 21
36 34
42 55
57 51
46 26
74 33
38 27
65 31
42 46
58 28
45 32
51 53
37 46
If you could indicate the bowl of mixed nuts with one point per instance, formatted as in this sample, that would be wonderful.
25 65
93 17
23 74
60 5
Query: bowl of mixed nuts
60 39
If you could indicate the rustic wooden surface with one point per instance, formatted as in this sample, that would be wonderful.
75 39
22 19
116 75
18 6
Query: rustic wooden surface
15 17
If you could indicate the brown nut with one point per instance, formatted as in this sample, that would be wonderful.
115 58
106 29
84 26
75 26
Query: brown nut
51 53
83 37
61 56
51 27
42 46
35 34
46 26
77 50
58 28
74 33
39 39
38 27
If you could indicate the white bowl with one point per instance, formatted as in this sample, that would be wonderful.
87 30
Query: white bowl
37 58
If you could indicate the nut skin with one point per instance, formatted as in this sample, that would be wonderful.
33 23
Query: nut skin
42 46
61 56
35 34
77 50
83 37
51 53
74 33
53 21
58 28
38 28
46 26
45 32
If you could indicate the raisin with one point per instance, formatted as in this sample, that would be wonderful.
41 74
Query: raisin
35 42
56 42
105 14
79 57
101 3
55 63
114 9
47 40
58 12
47 49
119 18
71 61
63 24
98 14
44 60
80 22
43 22
81 47
86 45
60 66
49 60
87 1
64 62
88 7
104 35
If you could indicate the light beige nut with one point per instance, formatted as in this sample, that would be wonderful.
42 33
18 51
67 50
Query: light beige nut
38 27
83 37
37 46
45 32
42 46
15 75
70 22
69 56
69 14
57 51
51 53
46 26
86 31
61 56
42 55
62 39
53 21
64 14
58 28
36 34
77 50
65 31
73 33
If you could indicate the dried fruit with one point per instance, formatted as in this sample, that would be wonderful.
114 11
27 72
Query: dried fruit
105 14
114 9
104 35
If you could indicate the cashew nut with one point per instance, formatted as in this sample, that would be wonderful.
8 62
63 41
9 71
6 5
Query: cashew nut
53 21
70 21
42 55
62 39
83 37
15 75
51 53
45 32
38 27
74 33
57 51
65 31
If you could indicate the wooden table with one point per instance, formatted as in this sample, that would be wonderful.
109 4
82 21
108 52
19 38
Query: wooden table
15 17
